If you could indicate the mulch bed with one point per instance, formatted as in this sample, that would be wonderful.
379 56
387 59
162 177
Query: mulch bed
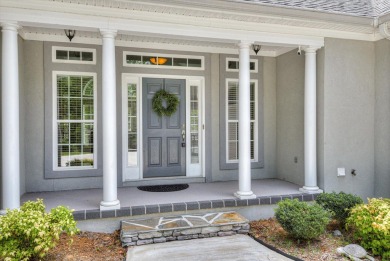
88 246
324 249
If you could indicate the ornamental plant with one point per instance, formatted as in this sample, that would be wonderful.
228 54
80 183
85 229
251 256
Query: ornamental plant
301 220
171 100
371 226
30 232
338 204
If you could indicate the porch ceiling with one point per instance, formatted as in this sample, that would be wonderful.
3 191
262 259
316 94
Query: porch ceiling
140 41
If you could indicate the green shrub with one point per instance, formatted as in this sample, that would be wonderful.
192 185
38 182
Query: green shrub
338 204
371 225
31 232
301 220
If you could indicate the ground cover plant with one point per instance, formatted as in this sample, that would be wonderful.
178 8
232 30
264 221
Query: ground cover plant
29 232
370 224
338 204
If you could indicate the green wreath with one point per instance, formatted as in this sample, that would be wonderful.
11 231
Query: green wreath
171 103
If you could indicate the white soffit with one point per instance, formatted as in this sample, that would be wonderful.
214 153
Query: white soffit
156 43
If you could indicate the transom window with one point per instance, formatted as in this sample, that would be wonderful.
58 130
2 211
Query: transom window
233 65
133 59
75 120
232 112
73 55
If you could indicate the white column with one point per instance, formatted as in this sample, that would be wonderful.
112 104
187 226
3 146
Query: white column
310 127
244 164
110 195
10 117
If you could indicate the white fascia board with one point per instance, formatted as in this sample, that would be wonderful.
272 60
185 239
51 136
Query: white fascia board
85 22
195 27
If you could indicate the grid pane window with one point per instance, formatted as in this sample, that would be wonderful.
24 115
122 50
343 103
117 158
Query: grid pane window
132 146
233 64
194 120
74 55
163 60
75 120
232 130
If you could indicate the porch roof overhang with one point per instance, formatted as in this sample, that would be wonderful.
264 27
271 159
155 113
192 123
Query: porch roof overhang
211 26
40 21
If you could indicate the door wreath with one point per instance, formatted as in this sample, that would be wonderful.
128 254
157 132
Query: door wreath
170 99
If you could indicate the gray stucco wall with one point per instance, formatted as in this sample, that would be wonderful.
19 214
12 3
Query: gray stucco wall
22 97
269 85
290 73
320 117
268 104
349 106
1 159
382 119
35 127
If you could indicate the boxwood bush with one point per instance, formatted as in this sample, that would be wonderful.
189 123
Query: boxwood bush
29 233
301 220
371 225
338 204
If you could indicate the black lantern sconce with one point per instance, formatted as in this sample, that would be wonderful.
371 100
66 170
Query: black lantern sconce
70 34
256 48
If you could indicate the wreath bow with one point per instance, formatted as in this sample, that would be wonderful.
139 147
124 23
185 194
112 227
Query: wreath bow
170 99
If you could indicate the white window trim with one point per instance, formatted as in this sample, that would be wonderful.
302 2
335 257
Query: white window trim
228 59
156 66
131 172
65 48
55 128
256 122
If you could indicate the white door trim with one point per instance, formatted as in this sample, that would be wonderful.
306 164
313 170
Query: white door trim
135 173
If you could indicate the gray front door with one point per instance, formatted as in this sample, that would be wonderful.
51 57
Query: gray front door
164 147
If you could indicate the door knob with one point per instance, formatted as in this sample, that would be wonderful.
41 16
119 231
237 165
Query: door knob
183 132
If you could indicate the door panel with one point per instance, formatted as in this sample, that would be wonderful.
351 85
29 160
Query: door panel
164 155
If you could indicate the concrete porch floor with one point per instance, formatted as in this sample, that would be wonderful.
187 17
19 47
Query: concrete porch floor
89 199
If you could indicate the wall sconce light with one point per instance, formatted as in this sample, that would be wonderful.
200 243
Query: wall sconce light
256 48
70 34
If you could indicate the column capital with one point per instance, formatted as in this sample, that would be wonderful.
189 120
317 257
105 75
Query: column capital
311 49
245 44
108 33
10 26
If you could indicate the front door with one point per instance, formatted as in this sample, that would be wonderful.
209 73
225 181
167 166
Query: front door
163 137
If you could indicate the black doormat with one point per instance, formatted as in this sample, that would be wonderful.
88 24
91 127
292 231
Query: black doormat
164 188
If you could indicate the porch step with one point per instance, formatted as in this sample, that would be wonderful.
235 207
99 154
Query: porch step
136 232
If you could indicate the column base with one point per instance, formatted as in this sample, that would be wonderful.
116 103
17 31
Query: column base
245 195
110 205
3 212
310 190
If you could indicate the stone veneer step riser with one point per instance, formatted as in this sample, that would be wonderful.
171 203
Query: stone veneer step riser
147 231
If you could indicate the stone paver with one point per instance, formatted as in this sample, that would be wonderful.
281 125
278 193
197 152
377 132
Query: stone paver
182 227
233 248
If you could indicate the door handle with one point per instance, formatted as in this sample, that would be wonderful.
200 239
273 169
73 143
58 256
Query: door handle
183 133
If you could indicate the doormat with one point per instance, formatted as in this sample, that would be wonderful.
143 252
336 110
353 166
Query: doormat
164 188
